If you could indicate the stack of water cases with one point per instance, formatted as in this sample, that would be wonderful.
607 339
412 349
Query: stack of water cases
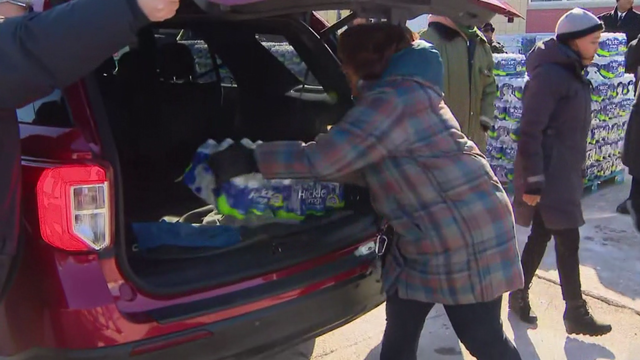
520 44
612 98
502 143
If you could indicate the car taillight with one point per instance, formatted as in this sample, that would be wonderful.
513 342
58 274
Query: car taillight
73 205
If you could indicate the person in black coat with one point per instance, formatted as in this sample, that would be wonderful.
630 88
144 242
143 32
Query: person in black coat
41 52
631 150
630 25
623 19
548 179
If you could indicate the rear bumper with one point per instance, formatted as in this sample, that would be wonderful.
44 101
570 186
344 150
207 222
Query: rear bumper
263 332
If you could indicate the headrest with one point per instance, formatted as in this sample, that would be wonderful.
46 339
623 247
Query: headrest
129 63
176 62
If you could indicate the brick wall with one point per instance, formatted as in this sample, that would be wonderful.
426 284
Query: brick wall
541 16
544 20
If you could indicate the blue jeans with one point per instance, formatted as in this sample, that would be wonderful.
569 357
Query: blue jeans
478 326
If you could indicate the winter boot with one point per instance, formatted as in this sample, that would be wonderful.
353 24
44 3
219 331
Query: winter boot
623 208
579 321
519 304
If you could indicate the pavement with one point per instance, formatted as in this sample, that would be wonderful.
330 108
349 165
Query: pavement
610 272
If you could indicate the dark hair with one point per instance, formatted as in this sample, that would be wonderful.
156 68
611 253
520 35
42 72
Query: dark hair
367 48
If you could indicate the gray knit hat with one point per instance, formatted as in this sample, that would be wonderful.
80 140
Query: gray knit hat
577 24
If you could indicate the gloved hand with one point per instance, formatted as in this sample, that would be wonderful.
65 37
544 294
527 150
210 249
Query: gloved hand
485 123
233 161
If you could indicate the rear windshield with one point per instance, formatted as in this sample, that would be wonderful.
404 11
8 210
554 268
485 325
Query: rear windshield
176 88
208 70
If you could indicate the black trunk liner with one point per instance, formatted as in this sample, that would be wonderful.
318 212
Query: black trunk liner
264 249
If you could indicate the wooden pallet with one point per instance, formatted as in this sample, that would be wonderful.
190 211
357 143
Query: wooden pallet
591 186
615 178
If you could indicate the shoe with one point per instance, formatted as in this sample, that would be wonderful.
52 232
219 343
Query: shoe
623 208
519 304
633 214
579 321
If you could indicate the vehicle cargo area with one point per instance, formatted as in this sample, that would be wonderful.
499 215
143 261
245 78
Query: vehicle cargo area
176 88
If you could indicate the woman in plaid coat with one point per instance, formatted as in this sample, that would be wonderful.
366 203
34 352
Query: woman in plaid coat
456 242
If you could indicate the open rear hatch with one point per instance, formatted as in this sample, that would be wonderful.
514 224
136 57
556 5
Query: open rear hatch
471 12
265 249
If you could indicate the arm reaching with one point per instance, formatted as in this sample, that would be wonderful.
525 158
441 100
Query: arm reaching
363 137
43 51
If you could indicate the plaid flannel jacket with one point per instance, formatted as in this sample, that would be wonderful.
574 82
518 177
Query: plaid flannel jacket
456 240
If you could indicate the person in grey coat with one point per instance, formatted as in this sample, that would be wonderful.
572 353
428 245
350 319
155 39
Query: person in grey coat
549 164
41 52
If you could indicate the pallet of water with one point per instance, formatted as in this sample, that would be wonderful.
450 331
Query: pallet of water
612 98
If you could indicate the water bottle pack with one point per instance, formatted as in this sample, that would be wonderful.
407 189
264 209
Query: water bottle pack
607 68
521 44
510 88
504 171
504 131
509 65
250 196
603 90
612 44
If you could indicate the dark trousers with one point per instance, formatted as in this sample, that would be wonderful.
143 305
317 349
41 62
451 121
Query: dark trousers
478 326
634 194
567 246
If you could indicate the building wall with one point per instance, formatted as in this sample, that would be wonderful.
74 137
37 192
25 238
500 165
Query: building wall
544 20
542 15
518 26
333 15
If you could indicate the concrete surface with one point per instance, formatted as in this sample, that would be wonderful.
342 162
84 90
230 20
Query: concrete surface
610 257
609 250
361 339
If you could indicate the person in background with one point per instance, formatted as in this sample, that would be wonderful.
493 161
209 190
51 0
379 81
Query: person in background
469 83
552 149
456 242
631 149
623 19
489 31
41 52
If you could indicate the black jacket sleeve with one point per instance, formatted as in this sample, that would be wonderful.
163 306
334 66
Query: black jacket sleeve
632 59
49 50
545 88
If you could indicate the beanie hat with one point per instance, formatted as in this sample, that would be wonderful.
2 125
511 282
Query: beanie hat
577 24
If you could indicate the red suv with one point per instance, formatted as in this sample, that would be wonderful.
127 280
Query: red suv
109 151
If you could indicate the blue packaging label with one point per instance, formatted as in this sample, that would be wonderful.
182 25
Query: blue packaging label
313 197
509 65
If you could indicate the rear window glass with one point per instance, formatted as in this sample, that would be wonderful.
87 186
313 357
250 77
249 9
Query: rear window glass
283 51
51 110
205 71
